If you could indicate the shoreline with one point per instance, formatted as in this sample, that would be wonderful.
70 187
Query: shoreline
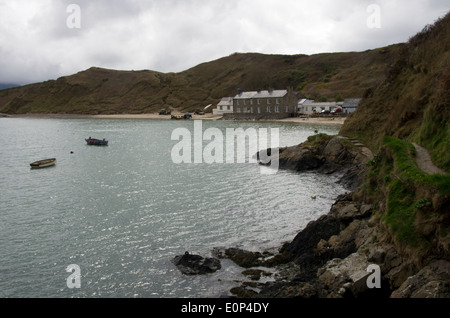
156 116
347 252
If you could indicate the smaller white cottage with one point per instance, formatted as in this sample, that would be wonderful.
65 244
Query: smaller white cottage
224 106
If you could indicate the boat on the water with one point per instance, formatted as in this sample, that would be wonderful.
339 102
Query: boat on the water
43 163
96 142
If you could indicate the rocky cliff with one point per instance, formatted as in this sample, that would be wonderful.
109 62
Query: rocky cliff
336 255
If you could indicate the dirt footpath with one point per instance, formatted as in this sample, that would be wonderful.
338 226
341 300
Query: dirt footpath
424 161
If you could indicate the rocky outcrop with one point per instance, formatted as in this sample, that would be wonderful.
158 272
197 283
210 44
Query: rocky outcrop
432 281
332 235
248 259
328 155
332 257
190 264
328 253
348 252
241 257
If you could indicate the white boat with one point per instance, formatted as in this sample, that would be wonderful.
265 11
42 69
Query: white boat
43 163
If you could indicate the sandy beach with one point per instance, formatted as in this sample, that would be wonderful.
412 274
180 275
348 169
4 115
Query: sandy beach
337 120
208 116
321 120
153 116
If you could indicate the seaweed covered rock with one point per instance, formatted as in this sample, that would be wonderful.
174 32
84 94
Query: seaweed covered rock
190 264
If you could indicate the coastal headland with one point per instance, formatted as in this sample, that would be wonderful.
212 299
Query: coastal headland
351 252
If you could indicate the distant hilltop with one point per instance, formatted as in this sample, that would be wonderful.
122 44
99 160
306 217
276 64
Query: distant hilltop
322 77
7 85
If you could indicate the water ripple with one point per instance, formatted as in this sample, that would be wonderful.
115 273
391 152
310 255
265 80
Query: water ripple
122 212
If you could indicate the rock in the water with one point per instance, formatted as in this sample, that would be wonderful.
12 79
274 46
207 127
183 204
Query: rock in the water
195 264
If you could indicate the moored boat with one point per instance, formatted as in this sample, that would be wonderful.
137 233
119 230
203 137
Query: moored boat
96 142
43 163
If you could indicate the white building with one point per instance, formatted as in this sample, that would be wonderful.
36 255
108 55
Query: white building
224 106
308 106
304 106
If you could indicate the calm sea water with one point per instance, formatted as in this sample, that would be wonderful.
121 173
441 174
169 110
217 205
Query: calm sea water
122 212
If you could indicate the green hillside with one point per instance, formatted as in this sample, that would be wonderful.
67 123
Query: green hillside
413 103
322 77
411 107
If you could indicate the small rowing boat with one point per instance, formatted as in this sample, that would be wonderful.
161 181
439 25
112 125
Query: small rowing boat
43 163
96 142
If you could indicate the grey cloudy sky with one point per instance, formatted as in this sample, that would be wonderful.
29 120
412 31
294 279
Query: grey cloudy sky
38 41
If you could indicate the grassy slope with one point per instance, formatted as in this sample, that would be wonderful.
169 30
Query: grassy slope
321 76
411 105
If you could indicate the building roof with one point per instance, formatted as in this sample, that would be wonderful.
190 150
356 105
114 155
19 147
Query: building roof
226 101
323 104
261 94
351 102
304 100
